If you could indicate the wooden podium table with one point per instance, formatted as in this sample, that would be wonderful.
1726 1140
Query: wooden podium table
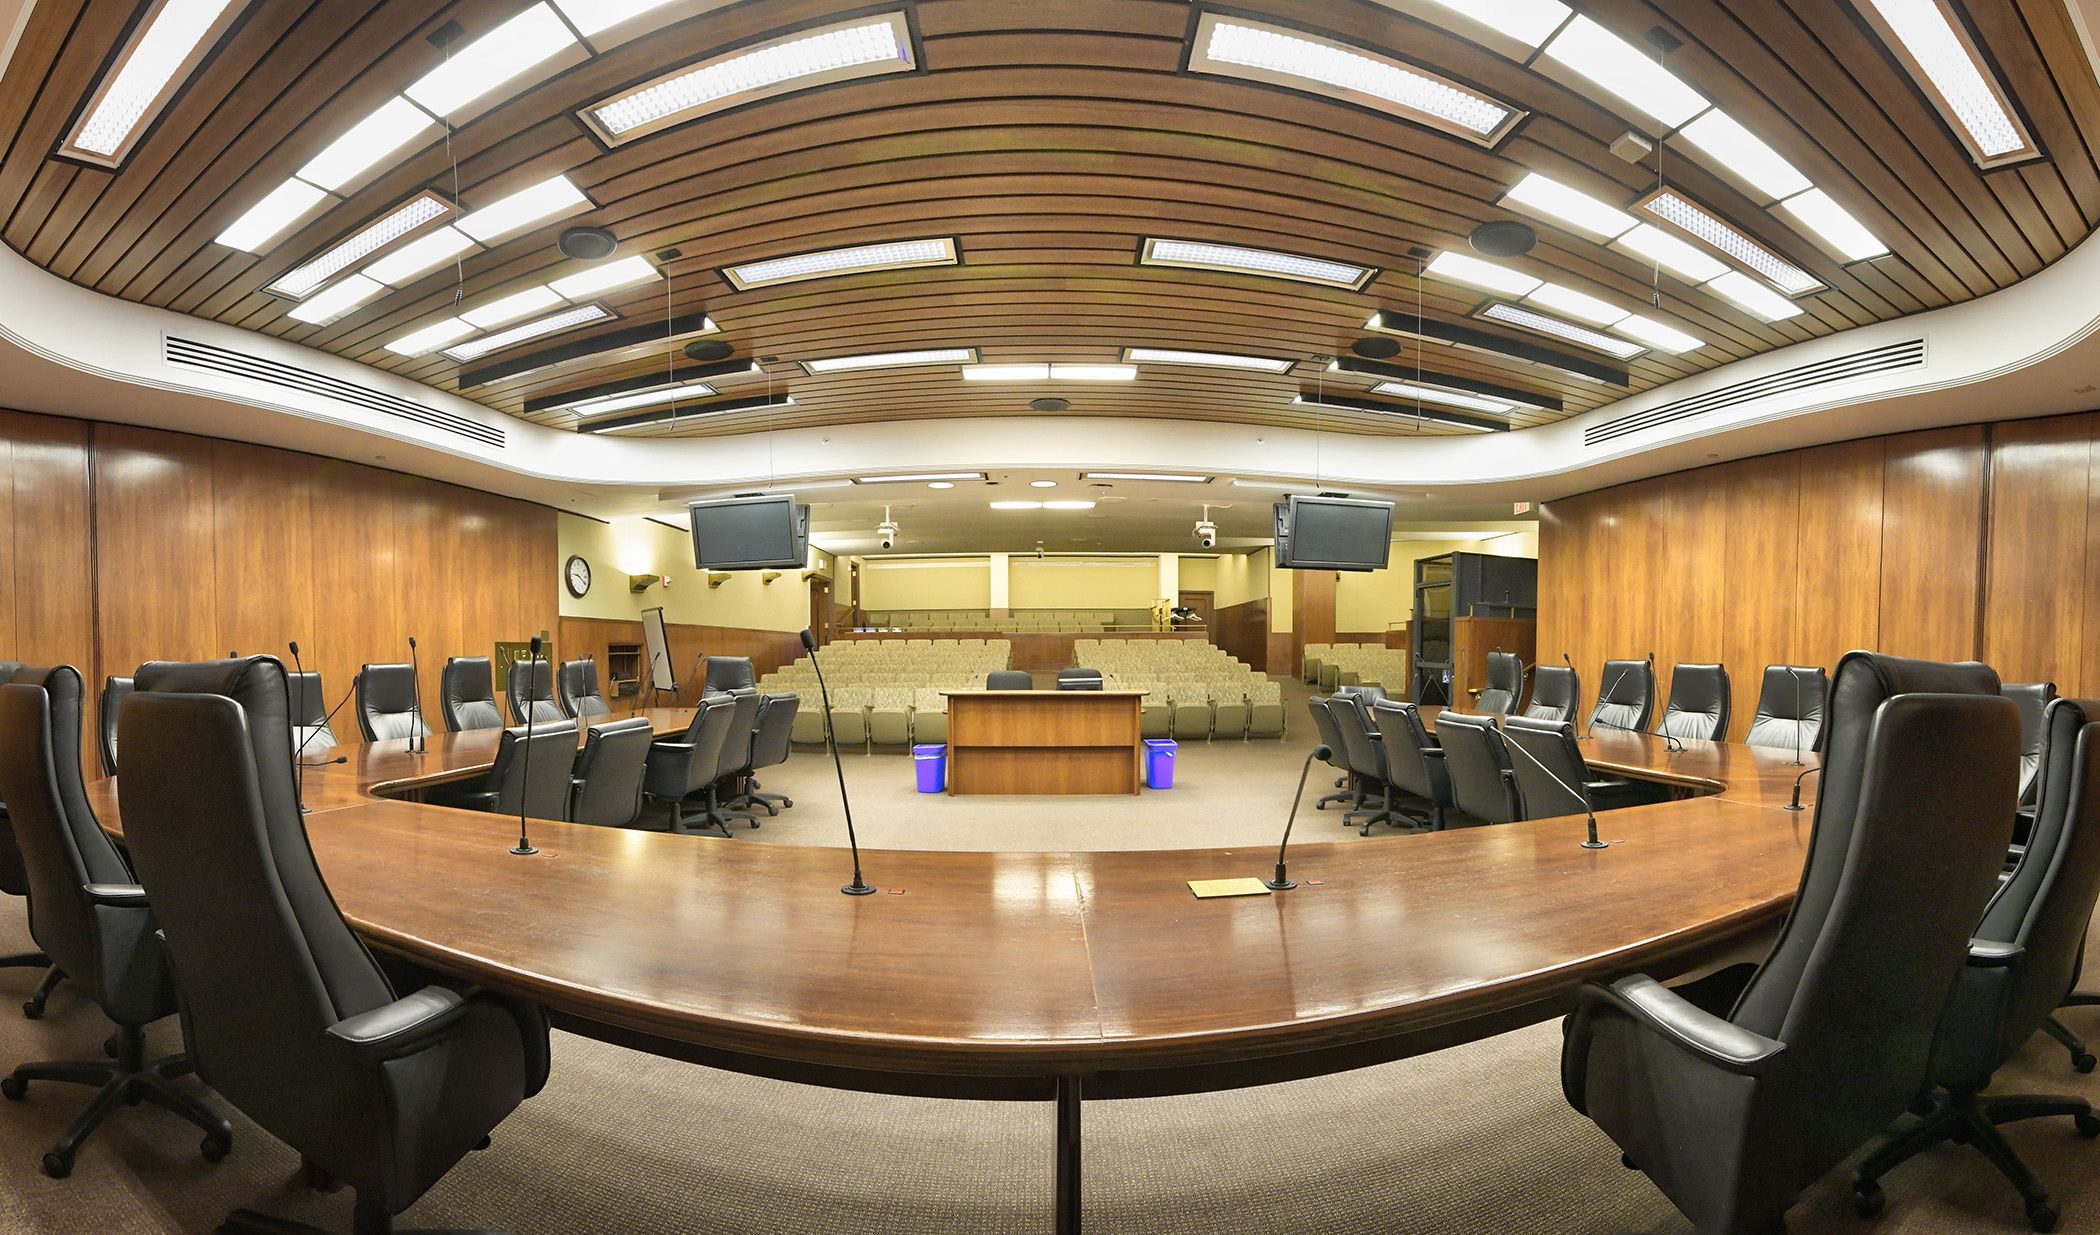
1044 741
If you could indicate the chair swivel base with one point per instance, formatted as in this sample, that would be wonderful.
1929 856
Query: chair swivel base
124 1082
33 1007
681 826
1973 1120
2081 1058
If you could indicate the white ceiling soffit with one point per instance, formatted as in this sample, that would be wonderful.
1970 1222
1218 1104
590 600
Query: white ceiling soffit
76 352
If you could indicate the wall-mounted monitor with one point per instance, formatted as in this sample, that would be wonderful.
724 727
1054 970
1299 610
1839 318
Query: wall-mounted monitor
1333 533
750 533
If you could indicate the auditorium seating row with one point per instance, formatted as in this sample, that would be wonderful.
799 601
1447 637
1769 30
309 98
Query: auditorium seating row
1018 621
881 688
1330 665
1199 692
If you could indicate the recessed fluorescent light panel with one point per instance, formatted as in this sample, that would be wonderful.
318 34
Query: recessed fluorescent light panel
1685 260
894 255
1472 339
1525 319
1934 45
430 337
1744 155
1548 198
1093 373
512 307
324 307
582 315
596 17
1709 230
1656 334
1576 304
640 420
413 259
1049 372
641 398
1755 296
1015 505
545 200
396 123
1216 360
1834 226
626 272
1201 255
863 47
1277 56
928 477
1179 478
491 60
287 204
1470 403
166 46
419 211
1471 271
1438 416
1527 22
891 360
1624 72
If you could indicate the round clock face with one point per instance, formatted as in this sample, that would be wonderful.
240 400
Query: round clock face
578 574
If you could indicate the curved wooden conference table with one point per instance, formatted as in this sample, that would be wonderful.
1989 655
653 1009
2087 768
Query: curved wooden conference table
1052 975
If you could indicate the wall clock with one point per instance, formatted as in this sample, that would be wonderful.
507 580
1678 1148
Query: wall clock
577 574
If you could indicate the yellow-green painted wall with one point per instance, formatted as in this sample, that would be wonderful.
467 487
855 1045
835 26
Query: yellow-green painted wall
642 547
925 583
1240 577
1083 583
1374 600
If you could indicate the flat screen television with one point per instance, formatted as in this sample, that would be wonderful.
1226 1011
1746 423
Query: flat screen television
750 533
1333 533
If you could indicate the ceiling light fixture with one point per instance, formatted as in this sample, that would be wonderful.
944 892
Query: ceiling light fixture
1755 296
1680 257
1710 230
1512 395
1093 373
1458 268
1220 360
595 16
1548 198
626 272
1439 416
1468 338
637 420
1015 505
1656 334
424 208
1068 505
1179 478
891 360
326 306
893 255
1277 56
396 123
644 338
1234 259
864 47
1577 304
1530 22
1624 72
431 337
1840 232
512 307
1935 46
1006 373
1744 154
491 60
545 200
412 260
582 315
916 476
165 47
1524 319
1445 398
286 204
644 398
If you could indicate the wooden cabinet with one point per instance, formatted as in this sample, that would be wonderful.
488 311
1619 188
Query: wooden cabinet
1044 741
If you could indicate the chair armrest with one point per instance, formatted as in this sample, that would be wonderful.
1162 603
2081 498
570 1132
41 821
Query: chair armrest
403 1026
1727 1046
674 748
1433 752
1990 954
116 895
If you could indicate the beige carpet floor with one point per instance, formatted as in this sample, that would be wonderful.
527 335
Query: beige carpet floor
1473 1139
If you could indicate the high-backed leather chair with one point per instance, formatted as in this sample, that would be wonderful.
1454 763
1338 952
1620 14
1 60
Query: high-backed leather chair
1732 1116
1330 735
735 753
771 744
114 689
529 684
467 694
1790 708
1556 693
678 768
1505 681
2032 698
311 732
1415 761
88 914
576 691
285 1011
14 881
608 773
542 782
1079 679
386 703
1552 777
726 673
2023 955
1482 783
1366 758
1698 706
1626 698
1009 679
1369 694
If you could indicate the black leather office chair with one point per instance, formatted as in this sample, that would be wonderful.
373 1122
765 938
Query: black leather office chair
678 768
1699 702
386 703
529 685
1556 693
14 881
608 774
114 689
2032 698
771 744
1482 782
1790 708
1009 679
1079 679
1552 777
735 753
727 673
467 694
1627 699
1365 756
576 691
2023 955
1505 682
1369 694
312 734
285 1011
542 782
1828 1043
89 915
1413 758
1338 754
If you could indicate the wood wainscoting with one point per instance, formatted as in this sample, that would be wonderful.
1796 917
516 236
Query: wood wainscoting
1243 631
582 637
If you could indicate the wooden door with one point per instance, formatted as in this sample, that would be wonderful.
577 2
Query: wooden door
1200 603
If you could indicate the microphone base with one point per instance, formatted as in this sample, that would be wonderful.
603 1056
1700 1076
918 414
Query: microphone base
523 851
1596 844
1279 885
1794 808
858 888
305 809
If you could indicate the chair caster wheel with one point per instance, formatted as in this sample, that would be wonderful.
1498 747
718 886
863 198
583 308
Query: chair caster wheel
2041 1215
1626 1160
2083 1061
2088 1125
58 1165
14 1088
786 802
756 825
33 1009
1867 1200
485 1143
110 1047
215 1147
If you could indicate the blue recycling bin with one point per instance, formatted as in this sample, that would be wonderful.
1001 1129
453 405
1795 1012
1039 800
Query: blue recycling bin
1159 763
931 763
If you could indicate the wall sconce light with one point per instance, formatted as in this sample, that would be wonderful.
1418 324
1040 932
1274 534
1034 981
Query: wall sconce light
642 583
716 578
768 576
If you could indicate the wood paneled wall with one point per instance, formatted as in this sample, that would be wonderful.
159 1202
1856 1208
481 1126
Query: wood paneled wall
120 545
1974 542
1243 631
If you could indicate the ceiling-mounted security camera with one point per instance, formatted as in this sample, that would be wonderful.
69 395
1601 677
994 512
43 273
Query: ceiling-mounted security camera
1206 531
887 530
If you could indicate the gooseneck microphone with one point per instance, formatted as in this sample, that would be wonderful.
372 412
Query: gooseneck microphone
298 747
1794 672
524 847
1671 744
1584 798
1282 881
418 732
1592 726
1796 803
859 886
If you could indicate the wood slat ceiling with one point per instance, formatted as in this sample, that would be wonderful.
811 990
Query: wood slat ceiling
1050 138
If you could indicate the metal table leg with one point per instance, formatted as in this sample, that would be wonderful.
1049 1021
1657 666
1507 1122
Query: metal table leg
1067 1099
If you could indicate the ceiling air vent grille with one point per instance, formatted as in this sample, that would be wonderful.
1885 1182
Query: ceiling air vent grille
195 355
1895 356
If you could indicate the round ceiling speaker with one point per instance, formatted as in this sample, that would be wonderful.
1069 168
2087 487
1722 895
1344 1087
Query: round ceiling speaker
1374 348
707 351
1049 405
1503 238
587 244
